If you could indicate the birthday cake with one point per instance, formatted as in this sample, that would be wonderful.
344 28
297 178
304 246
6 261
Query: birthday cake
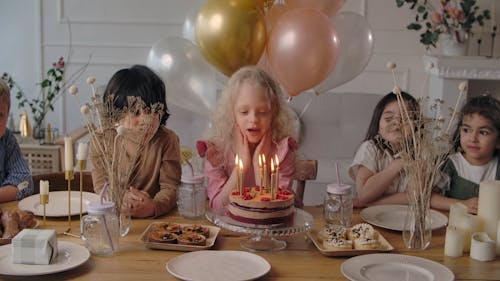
257 207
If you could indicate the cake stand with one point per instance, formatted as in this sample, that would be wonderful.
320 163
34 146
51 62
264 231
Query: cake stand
263 237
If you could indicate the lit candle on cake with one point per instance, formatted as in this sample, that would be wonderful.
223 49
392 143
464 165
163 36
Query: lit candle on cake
453 242
273 180
261 173
68 154
468 224
277 168
236 166
488 209
241 176
264 168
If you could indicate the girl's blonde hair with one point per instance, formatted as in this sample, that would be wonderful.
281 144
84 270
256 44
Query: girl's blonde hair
221 134
5 93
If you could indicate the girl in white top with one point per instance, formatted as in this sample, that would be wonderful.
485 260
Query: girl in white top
376 168
477 145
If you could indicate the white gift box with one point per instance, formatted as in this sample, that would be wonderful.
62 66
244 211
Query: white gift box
34 246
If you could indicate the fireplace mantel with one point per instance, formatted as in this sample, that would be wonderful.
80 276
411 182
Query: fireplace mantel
466 68
448 72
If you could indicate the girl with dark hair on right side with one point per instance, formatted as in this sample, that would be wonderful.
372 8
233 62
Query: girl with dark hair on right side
476 146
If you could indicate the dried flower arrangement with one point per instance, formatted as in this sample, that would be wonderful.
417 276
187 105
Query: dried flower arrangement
425 145
113 142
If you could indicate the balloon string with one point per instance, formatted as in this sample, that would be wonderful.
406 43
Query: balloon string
305 107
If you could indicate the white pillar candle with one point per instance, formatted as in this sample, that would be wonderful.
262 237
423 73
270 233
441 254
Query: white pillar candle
457 210
454 242
468 224
489 206
68 154
82 151
482 247
44 187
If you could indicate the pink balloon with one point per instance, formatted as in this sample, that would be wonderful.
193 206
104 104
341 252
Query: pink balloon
328 7
302 49
272 16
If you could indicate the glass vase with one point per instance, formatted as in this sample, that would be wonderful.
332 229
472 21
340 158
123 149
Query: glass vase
417 230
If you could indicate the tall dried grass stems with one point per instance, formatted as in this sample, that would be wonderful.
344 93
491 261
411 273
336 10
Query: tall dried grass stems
425 145
117 147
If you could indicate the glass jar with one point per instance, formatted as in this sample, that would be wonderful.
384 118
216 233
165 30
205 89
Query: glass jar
100 228
338 205
191 196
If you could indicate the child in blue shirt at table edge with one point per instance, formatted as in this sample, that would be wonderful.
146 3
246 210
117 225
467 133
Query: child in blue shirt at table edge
476 146
15 175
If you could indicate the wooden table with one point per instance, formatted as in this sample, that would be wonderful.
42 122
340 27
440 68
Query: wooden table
300 261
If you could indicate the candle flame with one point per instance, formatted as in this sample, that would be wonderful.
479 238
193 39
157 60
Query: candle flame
260 160
272 165
276 161
241 165
263 159
236 160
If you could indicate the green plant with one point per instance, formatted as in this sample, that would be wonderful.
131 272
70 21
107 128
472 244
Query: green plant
51 88
448 16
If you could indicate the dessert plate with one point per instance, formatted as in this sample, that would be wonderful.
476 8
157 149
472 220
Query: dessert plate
393 217
394 267
218 265
385 246
58 203
70 256
214 231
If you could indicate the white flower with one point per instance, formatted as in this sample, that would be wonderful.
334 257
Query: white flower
90 80
463 86
73 90
391 65
84 109
121 130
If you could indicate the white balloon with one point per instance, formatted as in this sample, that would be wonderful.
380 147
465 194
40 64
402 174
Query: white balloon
355 50
189 80
188 28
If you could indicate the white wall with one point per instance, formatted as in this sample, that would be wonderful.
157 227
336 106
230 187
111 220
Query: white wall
120 33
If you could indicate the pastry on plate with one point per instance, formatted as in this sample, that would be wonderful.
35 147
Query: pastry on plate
367 244
337 244
205 231
336 231
191 238
362 230
162 236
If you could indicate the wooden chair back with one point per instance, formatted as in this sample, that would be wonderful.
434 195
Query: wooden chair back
57 181
304 170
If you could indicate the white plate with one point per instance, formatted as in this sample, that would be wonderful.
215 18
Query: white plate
70 255
218 265
375 267
58 203
393 217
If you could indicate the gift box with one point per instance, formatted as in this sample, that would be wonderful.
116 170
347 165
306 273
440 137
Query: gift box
34 246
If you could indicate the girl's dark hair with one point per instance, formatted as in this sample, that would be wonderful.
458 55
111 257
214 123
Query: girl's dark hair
484 105
137 81
373 128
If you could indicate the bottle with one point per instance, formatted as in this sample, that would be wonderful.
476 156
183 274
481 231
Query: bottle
100 228
191 196
338 205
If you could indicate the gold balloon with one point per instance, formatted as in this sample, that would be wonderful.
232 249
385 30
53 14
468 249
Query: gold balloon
231 33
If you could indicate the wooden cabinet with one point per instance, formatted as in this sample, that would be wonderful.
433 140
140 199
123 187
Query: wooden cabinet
42 158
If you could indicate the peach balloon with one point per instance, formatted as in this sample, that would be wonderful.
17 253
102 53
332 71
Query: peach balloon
302 49
328 7
273 14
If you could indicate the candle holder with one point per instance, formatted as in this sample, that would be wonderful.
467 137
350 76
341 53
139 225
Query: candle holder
44 200
69 176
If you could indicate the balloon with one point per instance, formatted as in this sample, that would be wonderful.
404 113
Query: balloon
302 49
273 14
327 7
356 48
188 30
231 34
189 80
